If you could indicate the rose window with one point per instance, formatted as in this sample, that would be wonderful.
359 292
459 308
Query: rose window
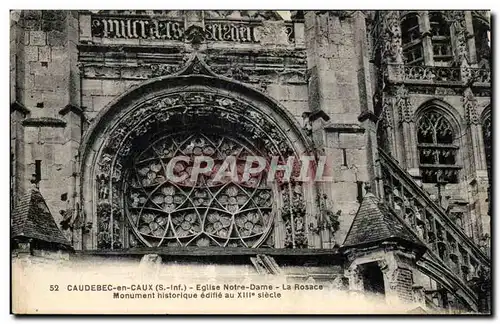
204 211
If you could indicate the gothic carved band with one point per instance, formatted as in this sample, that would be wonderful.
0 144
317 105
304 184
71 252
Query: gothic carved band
152 28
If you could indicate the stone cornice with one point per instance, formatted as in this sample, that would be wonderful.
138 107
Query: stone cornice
344 128
43 122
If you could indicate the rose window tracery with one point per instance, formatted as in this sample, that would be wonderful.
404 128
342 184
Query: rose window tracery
204 211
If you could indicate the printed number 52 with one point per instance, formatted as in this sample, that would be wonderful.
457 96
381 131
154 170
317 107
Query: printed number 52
54 288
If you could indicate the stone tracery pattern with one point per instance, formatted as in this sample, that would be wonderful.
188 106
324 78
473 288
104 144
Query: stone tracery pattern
436 149
186 109
203 212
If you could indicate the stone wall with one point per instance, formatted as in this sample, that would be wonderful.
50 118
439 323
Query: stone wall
48 88
337 85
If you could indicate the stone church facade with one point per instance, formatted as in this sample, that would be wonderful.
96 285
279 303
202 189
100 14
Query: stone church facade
400 101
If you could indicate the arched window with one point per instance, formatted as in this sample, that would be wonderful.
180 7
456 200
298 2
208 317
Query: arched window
202 212
441 41
437 150
411 41
482 41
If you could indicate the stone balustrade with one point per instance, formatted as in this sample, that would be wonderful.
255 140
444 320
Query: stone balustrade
430 222
438 74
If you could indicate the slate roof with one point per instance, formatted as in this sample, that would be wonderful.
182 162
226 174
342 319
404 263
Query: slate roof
375 223
31 218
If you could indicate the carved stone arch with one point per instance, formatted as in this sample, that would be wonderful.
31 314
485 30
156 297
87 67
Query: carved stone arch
443 108
439 137
486 113
481 16
189 100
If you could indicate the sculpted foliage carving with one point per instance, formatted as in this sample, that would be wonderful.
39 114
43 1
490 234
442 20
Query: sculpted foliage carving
188 108
470 104
403 102
456 18
391 47
293 214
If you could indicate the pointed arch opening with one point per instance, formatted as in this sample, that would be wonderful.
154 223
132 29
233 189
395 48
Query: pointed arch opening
126 153
437 144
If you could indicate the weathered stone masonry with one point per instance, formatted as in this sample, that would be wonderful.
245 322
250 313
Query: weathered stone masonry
399 100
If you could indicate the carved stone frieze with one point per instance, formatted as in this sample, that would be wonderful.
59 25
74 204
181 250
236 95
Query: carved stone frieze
194 34
108 228
234 72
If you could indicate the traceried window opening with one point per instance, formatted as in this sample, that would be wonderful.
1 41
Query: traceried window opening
440 35
437 151
201 213
411 41
482 42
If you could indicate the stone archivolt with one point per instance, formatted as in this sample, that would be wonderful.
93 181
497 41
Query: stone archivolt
174 112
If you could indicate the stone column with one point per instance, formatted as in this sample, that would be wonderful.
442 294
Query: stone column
478 174
425 30
469 36
458 30
355 280
408 140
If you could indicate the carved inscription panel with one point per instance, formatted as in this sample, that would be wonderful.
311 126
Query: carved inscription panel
152 28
